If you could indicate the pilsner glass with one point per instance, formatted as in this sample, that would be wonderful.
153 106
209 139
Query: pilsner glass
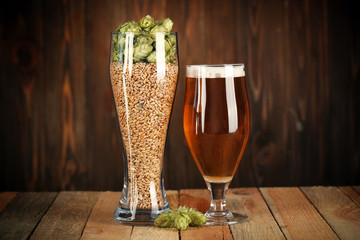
144 72
217 126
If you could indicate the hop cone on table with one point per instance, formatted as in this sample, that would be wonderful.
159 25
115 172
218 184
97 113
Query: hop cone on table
181 219
197 219
165 220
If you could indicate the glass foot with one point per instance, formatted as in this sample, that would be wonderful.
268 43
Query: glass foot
231 218
138 216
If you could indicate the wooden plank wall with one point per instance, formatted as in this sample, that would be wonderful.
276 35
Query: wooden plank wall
58 122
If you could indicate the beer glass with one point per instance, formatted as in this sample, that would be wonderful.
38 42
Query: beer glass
217 126
144 72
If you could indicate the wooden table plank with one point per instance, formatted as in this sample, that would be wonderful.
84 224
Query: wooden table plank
261 224
45 216
101 224
152 232
5 198
67 216
23 213
200 199
296 216
357 189
351 193
340 212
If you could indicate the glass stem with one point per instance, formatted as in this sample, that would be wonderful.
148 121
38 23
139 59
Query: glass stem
218 206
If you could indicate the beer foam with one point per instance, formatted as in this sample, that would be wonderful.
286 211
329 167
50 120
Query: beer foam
215 71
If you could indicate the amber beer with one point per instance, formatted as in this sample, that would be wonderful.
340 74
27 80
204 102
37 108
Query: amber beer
216 119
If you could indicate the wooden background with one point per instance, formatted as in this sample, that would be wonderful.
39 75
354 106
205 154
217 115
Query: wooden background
58 123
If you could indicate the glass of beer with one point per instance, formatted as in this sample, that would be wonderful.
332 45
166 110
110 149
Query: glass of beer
217 127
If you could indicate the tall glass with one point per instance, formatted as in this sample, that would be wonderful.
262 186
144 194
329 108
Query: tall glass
144 72
217 126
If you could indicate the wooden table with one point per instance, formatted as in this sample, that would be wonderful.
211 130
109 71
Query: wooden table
275 213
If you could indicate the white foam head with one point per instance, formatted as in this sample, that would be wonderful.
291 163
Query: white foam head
215 71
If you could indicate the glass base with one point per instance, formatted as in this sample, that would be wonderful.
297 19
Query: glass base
138 216
230 218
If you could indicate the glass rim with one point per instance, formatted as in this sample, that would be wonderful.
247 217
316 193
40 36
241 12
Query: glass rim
215 65
216 70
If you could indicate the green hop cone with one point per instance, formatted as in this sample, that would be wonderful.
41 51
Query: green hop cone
158 28
163 220
146 23
184 209
145 36
142 51
122 28
143 39
197 219
152 57
170 42
129 27
182 221
170 39
119 41
173 216
167 45
170 55
166 220
187 216
134 27
167 23
117 57
118 47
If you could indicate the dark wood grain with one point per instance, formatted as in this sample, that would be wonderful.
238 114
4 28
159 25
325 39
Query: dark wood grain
344 66
191 30
5 198
105 153
21 215
21 54
302 61
67 216
265 72
245 175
